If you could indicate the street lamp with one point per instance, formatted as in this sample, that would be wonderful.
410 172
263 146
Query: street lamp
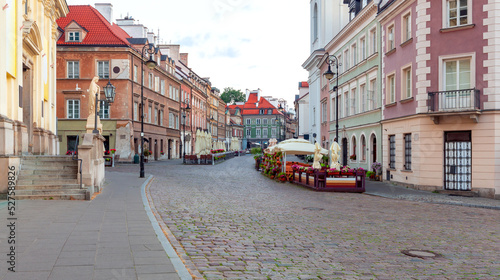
109 93
151 64
186 110
329 75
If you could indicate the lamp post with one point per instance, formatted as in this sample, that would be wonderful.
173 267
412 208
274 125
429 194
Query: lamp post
329 75
151 64
186 110
109 92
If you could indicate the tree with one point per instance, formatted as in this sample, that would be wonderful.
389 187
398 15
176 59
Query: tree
231 94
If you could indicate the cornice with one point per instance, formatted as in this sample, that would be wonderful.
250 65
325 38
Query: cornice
313 58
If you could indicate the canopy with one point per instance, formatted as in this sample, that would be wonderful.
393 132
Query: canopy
298 147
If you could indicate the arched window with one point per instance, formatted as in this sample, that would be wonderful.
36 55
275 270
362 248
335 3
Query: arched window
363 148
353 145
315 22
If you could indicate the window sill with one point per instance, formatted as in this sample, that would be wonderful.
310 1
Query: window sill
456 28
390 105
390 52
407 42
407 171
391 169
410 99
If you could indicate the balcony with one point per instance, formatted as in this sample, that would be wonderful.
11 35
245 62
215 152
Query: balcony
454 102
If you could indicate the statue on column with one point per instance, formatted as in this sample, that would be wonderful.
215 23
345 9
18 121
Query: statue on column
92 91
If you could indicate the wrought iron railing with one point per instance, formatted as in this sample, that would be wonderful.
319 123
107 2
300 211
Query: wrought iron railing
454 100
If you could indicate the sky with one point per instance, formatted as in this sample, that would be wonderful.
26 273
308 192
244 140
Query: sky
239 44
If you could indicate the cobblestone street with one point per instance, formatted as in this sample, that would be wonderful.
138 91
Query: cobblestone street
231 222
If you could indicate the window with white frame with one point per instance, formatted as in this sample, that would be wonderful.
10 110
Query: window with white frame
372 98
149 114
457 74
354 51
346 104
353 109
150 81
353 156
264 132
346 59
457 12
264 121
273 132
104 110
162 87
73 69
74 36
362 48
161 117
135 73
406 85
156 116
373 40
170 92
391 89
341 65
136 112
332 109
248 132
157 84
406 30
324 112
257 121
248 121
364 98
73 108
363 148
103 69
390 38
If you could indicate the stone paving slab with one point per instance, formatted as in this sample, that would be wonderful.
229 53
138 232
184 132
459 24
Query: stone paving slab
110 237
230 222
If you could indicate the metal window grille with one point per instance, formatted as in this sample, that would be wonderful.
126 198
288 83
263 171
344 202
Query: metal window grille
458 161
407 152
392 152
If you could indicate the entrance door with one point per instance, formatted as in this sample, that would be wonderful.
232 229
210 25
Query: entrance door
27 97
458 161
344 151
169 149
374 149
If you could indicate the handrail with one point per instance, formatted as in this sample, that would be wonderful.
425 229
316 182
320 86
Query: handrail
73 154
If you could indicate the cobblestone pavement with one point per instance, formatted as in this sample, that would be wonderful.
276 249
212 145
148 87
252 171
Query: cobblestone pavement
231 222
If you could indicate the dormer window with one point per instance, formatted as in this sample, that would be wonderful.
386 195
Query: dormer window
74 37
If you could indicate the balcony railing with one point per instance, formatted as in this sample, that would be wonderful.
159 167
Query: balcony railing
453 100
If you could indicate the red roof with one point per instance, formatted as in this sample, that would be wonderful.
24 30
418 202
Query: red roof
100 31
250 107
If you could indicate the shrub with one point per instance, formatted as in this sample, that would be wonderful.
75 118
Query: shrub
257 150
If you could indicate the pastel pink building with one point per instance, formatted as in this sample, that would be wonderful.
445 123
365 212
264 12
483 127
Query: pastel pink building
441 87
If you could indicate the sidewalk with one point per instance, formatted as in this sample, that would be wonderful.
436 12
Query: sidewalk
110 237
388 190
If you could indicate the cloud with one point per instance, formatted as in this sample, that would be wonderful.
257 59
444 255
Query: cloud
227 52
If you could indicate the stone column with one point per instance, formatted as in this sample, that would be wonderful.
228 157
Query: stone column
91 151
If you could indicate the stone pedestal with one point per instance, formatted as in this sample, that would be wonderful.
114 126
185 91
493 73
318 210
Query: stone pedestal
90 126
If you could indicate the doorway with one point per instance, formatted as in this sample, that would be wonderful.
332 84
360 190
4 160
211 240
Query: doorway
169 149
26 102
344 151
373 145
458 161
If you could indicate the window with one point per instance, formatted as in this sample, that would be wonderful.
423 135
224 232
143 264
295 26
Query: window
258 121
457 74
364 97
156 116
391 89
354 50
353 108
372 101
373 40
363 148
157 84
341 65
264 121
324 112
390 38
346 59
104 110
353 145
362 48
248 132
73 69
346 104
457 13
150 81
170 120
273 132
315 22
170 92
73 108
162 87
406 30
74 36
264 132
136 115
135 73
392 152
407 165
406 83
103 69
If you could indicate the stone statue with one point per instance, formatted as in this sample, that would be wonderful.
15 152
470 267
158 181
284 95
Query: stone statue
335 149
93 89
317 157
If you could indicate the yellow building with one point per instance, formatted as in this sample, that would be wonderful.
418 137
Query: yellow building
28 34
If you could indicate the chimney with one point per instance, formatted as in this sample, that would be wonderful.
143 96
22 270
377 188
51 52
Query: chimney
151 37
106 10
184 58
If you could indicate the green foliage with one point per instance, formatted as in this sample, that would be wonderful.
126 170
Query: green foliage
309 158
257 150
370 174
232 94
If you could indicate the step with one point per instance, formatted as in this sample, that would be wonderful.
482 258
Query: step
63 181
72 175
76 196
50 192
48 167
24 172
45 163
47 187
47 158
460 193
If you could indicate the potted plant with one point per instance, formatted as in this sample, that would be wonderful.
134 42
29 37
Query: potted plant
282 177
147 153
371 175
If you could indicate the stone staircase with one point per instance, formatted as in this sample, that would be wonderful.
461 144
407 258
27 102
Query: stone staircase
49 177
